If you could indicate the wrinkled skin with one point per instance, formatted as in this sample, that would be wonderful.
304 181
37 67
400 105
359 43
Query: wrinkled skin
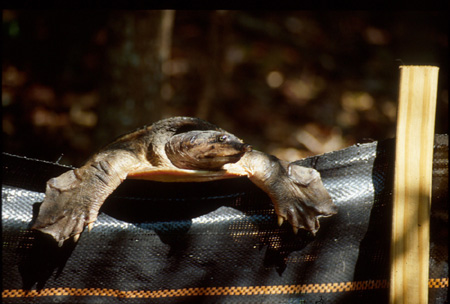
297 192
204 150
175 150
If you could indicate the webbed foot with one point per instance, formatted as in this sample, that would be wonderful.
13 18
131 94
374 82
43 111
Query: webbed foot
66 209
73 199
300 198
297 192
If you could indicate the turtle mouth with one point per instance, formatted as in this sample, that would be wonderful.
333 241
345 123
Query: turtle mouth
242 149
226 155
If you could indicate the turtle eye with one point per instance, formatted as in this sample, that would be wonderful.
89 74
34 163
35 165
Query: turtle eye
222 138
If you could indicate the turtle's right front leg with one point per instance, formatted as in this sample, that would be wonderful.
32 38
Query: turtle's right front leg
73 199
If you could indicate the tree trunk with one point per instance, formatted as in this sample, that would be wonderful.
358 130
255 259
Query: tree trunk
211 66
138 43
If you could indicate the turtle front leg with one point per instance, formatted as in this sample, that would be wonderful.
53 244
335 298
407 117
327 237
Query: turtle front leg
300 197
297 192
73 199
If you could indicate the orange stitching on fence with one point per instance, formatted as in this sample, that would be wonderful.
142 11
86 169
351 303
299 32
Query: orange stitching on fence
213 291
438 283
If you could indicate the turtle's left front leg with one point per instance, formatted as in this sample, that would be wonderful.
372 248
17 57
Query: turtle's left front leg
297 192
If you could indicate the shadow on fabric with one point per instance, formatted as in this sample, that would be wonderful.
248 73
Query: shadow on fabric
39 256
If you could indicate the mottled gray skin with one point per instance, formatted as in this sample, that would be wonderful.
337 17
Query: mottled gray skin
179 149
204 150
297 192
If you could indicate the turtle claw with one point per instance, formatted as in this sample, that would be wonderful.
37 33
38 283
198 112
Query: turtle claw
90 225
280 221
295 229
76 237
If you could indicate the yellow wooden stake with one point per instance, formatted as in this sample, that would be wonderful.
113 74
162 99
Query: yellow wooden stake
410 240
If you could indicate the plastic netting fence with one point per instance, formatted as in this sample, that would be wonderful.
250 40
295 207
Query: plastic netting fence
218 242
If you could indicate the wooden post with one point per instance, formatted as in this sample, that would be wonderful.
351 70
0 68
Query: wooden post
412 185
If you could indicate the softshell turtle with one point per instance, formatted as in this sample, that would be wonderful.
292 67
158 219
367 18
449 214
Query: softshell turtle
179 149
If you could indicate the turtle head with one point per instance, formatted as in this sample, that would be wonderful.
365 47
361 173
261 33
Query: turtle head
205 150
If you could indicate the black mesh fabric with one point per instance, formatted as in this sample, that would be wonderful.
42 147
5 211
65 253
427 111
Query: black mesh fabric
218 242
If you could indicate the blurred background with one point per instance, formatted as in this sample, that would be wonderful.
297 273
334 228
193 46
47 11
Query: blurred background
291 83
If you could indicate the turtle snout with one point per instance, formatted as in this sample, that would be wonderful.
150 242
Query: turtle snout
246 148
